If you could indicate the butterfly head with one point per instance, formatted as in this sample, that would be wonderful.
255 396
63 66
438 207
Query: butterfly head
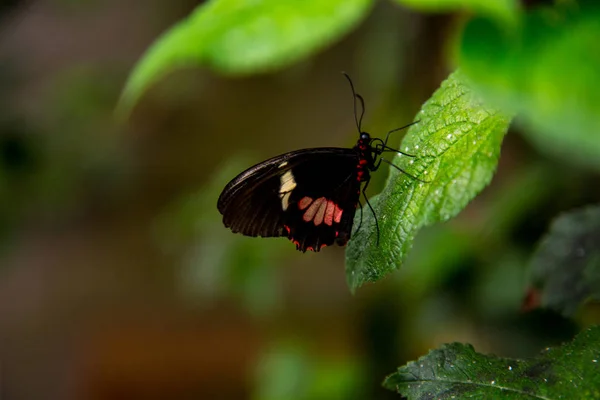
364 143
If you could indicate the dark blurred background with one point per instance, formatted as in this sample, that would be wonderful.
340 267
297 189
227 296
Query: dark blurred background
118 280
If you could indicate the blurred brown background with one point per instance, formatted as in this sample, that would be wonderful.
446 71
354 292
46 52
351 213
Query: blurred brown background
117 279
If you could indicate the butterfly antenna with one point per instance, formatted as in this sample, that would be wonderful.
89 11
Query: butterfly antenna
362 114
362 103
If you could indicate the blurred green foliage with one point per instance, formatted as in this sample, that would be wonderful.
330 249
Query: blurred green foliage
546 71
289 370
242 37
505 10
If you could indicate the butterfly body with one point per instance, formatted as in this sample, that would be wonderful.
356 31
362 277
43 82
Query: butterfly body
309 196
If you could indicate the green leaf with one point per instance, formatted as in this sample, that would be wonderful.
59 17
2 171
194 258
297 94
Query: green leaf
501 9
456 371
547 72
565 270
244 37
457 144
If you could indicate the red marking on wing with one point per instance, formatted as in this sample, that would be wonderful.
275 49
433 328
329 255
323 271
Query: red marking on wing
329 212
323 210
287 228
304 202
337 214
310 248
320 215
322 245
309 215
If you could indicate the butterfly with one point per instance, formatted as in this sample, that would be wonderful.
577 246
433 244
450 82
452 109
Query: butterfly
309 196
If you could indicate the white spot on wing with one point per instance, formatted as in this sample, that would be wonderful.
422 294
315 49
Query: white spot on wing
287 184
283 164
285 200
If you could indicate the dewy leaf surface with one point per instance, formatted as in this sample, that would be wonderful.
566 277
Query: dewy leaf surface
457 145
546 71
456 371
565 269
245 36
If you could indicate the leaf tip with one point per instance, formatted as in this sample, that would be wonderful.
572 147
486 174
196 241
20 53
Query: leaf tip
353 281
124 107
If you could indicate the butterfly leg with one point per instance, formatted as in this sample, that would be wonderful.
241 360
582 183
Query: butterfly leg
385 148
399 169
361 215
364 193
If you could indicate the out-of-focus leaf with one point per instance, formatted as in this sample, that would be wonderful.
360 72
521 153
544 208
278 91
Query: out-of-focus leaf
291 371
283 372
500 291
456 371
501 9
565 270
547 72
516 199
245 36
337 380
426 269
457 143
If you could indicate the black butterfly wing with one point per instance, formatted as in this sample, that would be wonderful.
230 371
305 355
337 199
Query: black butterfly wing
309 196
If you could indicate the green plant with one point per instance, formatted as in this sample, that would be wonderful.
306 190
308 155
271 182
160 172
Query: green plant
539 66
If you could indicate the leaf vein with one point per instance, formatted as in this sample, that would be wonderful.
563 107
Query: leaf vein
495 386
